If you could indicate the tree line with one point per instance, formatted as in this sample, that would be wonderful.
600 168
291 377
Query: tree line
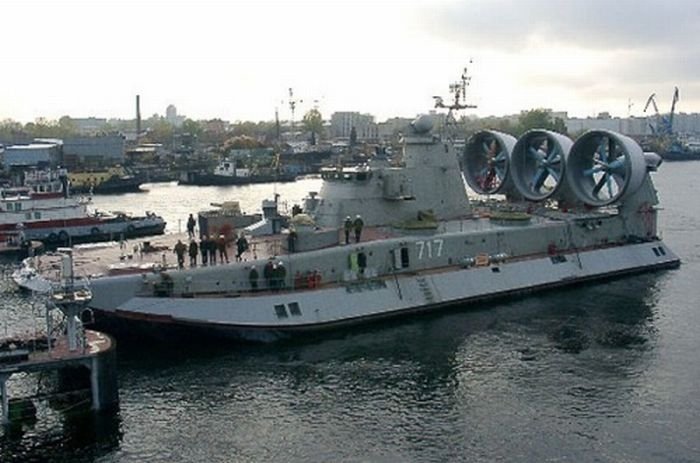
157 129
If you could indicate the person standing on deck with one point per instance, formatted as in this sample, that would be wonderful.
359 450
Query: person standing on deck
190 227
211 246
223 252
268 273
180 249
203 245
194 250
241 247
253 277
357 225
281 275
347 227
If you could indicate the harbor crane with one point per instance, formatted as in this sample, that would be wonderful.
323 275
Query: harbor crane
664 124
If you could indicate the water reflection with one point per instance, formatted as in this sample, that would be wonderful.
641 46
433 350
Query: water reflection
388 391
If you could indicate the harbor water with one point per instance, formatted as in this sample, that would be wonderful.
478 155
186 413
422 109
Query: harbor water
602 372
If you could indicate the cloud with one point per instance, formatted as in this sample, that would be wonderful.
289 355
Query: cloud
598 24
572 53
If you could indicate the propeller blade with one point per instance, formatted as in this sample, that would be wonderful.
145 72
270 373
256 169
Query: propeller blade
617 163
598 186
554 174
602 150
619 180
540 177
499 172
485 146
501 157
608 182
592 170
537 154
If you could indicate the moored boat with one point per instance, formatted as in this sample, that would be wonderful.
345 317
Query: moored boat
110 181
229 172
44 210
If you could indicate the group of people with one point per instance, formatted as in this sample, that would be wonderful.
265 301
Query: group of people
274 273
208 248
351 225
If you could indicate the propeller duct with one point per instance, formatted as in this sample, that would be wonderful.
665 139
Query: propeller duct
604 167
538 163
486 161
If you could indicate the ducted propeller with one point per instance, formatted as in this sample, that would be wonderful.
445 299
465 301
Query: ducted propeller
486 161
538 163
604 167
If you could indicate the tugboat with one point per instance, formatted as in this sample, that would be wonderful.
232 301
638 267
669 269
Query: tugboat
571 212
43 210
228 172
111 181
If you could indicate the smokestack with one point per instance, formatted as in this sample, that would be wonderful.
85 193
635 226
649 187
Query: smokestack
138 116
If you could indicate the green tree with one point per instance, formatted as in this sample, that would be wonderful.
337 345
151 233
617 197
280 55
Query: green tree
192 127
539 119
9 129
66 127
161 131
313 122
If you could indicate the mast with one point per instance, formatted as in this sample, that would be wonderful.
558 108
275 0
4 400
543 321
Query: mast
458 90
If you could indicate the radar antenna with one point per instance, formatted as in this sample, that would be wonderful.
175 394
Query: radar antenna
292 107
458 90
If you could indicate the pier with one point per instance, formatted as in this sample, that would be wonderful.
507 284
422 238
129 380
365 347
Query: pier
69 349
99 359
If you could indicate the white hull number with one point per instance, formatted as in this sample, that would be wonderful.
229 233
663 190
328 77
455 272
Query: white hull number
429 248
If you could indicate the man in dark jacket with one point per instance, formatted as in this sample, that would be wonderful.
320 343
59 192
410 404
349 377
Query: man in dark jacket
357 225
180 249
347 227
194 250
212 250
253 277
241 247
190 227
204 249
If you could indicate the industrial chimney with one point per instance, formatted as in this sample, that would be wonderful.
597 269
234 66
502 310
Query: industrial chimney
138 116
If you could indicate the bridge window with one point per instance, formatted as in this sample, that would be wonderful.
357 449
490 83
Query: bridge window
281 311
294 309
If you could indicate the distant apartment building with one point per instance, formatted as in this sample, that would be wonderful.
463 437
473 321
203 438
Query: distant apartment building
172 117
343 122
687 123
633 126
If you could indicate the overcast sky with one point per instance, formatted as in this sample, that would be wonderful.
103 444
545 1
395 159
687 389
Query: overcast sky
236 59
